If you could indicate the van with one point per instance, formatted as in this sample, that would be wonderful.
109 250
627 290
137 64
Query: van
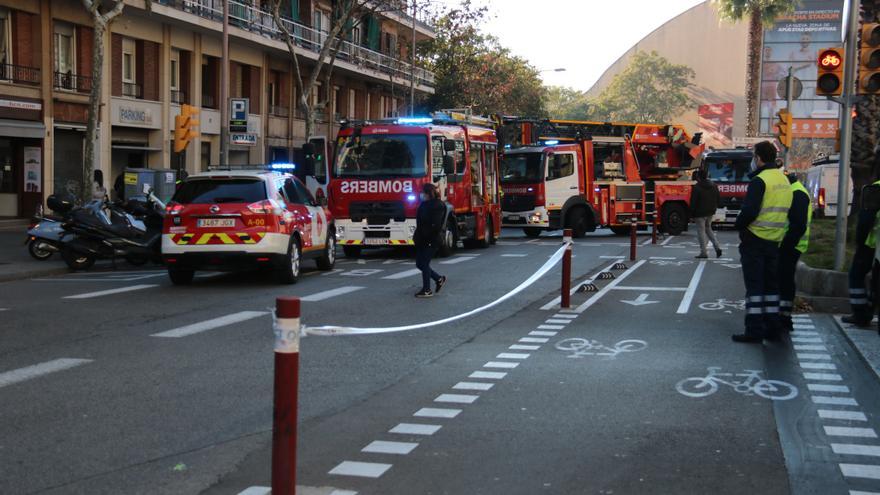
821 182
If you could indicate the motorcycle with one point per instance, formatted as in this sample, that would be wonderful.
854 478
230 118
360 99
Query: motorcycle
104 230
45 236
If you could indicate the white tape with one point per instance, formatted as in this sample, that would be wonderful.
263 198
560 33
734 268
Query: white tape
286 334
338 330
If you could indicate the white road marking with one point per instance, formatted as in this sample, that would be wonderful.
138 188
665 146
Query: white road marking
457 398
472 386
108 292
510 255
800 315
551 327
558 322
611 257
662 258
489 375
803 327
542 333
327 294
814 356
403 274
204 326
860 471
847 431
4 309
453 261
822 387
593 300
806 340
622 287
414 429
38 370
845 415
810 348
831 377
667 240
519 347
853 449
385 447
431 412
574 287
817 366
511 355
692 289
565 315
256 490
533 340
360 469
837 401
646 242
500 364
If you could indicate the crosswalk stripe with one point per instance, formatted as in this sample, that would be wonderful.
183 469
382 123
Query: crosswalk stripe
855 449
500 364
821 387
806 340
809 347
844 415
89 295
414 429
816 366
847 431
542 333
327 294
204 326
829 377
520 347
403 274
360 469
512 355
814 356
457 398
472 386
431 412
453 261
385 447
837 401
860 471
37 370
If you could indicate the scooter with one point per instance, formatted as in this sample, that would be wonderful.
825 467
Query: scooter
45 236
103 230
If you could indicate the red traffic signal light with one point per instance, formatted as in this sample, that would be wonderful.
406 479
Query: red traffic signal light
830 66
869 60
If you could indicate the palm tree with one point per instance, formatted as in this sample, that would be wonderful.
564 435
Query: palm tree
761 13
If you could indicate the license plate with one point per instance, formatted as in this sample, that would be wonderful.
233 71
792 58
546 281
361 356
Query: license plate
216 222
375 242
514 218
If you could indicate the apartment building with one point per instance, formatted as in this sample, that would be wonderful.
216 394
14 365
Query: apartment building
158 59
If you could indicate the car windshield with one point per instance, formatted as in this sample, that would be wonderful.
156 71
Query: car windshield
382 155
213 191
522 168
728 169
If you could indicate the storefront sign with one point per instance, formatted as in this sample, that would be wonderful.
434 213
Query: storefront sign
22 105
245 139
137 116
814 128
131 179
33 169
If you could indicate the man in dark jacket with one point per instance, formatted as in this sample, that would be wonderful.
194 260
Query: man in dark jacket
704 201
430 229
862 261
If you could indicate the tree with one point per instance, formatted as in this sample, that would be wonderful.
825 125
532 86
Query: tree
472 70
761 13
562 102
650 89
102 16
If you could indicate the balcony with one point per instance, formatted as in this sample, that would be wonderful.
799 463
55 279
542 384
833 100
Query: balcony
19 74
67 81
178 96
278 111
253 19
132 90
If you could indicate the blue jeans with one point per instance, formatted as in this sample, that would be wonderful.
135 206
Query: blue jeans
423 263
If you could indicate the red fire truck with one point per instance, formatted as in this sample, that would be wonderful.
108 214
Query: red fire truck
729 170
583 175
380 168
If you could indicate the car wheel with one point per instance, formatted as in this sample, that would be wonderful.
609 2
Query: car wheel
532 232
487 234
351 251
37 250
76 261
328 259
674 219
289 273
181 277
447 247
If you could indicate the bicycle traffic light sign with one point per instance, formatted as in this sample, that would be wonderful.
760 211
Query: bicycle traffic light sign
783 126
185 127
830 67
869 59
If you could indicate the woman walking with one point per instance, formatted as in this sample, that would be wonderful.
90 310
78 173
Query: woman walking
430 227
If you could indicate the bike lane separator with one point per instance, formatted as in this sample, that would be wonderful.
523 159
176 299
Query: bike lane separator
554 303
608 288
685 305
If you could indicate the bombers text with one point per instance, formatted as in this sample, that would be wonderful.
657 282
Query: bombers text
376 186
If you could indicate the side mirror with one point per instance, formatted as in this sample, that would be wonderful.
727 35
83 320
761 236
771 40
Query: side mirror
448 165
448 145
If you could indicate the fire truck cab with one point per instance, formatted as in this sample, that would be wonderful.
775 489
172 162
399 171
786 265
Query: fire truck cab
381 167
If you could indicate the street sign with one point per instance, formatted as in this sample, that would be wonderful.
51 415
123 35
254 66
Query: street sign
782 86
243 138
239 108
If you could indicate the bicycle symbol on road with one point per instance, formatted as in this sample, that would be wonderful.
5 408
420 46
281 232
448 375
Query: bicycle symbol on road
751 383
726 304
579 347
672 263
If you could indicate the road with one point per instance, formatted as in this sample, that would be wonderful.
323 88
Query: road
119 382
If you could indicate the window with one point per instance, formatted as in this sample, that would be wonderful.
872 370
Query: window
64 54
128 61
208 191
491 175
476 162
351 102
560 165
175 70
5 44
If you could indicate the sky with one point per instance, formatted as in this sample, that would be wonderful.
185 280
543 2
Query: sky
582 36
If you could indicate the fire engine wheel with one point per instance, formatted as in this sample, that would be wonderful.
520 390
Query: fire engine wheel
351 251
577 221
181 277
620 230
328 257
532 231
674 219
449 241
289 272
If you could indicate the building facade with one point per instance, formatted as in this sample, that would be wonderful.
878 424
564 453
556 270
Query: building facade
169 53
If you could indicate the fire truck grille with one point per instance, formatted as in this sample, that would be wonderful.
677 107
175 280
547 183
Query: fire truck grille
377 212
515 202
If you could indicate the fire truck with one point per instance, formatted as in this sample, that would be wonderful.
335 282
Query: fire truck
381 166
583 175
729 170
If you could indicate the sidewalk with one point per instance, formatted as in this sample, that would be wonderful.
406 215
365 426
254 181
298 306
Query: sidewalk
865 341
15 262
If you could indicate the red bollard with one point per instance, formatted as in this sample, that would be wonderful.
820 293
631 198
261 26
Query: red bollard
654 230
566 271
632 240
284 412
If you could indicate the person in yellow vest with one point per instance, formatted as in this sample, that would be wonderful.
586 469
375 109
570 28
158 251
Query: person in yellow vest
762 223
862 260
795 243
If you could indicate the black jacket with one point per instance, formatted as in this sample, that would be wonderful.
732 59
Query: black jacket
797 219
430 223
704 199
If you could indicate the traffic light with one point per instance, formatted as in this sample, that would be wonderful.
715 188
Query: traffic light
869 60
830 66
186 127
783 126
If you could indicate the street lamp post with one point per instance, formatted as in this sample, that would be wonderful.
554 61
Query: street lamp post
558 69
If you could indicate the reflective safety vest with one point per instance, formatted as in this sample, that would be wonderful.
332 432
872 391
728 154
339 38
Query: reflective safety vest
871 240
772 221
805 240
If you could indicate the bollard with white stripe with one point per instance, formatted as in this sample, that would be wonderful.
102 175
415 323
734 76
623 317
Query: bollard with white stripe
566 271
284 412
655 228
632 240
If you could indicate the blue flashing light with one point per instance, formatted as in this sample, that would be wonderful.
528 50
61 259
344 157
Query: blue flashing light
507 146
415 120
283 166
552 142
411 197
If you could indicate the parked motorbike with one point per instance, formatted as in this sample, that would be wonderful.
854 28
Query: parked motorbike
45 236
105 230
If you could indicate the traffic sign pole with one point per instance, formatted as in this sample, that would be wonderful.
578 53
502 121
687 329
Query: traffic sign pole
789 90
848 96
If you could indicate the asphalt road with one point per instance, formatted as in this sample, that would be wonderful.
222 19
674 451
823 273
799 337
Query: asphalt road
115 382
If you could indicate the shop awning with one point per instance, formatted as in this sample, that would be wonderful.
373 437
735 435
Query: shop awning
22 129
133 147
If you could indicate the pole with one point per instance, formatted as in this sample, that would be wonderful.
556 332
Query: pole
566 271
224 90
789 89
632 239
843 192
654 229
412 67
284 411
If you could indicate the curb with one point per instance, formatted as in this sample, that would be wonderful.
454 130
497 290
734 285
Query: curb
855 345
45 272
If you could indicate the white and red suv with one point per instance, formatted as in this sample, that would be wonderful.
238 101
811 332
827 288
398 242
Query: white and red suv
239 219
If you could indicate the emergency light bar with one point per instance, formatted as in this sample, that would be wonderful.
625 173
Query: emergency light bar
255 166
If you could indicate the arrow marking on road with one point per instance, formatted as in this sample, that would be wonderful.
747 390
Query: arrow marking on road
639 301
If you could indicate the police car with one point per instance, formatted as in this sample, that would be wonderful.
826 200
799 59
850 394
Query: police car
245 219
